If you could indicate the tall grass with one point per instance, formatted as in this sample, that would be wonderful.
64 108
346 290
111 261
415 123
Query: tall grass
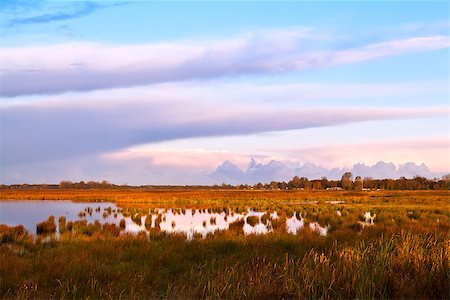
209 198
404 254
380 263
46 227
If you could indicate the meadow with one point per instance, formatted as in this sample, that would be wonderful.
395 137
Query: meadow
403 253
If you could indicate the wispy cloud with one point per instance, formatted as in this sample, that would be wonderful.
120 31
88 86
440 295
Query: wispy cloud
89 66
389 48
276 94
19 6
53 129
78 10
70 10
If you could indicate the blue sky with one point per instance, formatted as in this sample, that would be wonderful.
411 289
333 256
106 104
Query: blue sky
164 92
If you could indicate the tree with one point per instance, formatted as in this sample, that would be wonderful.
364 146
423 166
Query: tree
66 184
346 180
358 183
316 185
325 183
334 183
369 183
304 183
273 185
295 182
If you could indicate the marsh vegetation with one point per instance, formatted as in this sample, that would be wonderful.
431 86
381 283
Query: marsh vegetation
235 245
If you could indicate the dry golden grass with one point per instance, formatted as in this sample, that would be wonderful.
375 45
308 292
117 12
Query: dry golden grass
404 255
221 197
378 263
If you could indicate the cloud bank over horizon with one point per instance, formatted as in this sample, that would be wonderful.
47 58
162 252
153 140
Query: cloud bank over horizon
85 95
274 170
135 170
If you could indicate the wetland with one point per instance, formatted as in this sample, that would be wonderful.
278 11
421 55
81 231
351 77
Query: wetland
224 244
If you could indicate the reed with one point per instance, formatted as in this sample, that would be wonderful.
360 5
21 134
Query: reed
15 234
148 222
88 210
379 263
252 220
137 218
62 224
401 255
46 227
122 224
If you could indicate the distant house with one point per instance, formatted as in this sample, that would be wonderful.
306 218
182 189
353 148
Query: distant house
336 188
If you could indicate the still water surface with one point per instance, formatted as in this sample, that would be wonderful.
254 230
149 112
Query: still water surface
186 221
30 212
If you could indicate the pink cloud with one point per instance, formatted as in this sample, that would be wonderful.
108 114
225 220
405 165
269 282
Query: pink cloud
195 159
432 152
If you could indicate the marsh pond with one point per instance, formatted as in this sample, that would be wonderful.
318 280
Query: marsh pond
187 221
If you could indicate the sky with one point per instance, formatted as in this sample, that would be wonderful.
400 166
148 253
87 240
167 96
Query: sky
164 92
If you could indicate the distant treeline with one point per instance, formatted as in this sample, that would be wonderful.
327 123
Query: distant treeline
297 183
66 184
348 183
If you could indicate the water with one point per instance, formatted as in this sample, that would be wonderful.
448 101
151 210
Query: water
295 223
200 222
368 219
30 212
189 222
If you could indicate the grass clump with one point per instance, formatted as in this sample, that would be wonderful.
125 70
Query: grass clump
62 224
14 234
252 220
122 224
46 227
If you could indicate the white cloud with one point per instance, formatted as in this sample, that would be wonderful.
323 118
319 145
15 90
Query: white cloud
279 171
89 66
390 48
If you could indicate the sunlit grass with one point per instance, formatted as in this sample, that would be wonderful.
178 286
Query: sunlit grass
379 263
403 253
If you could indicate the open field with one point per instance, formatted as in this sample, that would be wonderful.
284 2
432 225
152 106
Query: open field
233 197
403 254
